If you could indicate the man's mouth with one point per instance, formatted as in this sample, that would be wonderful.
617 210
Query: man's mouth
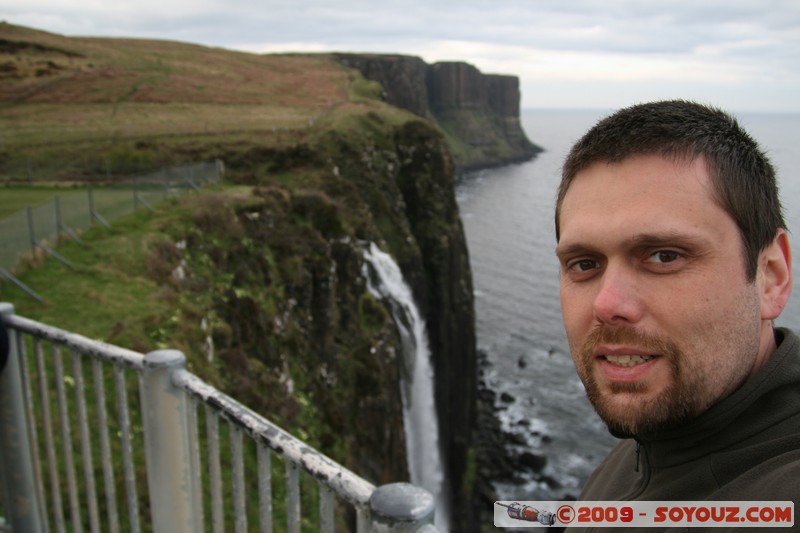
628 360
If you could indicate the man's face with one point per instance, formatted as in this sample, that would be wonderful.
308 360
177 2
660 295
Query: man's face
661 320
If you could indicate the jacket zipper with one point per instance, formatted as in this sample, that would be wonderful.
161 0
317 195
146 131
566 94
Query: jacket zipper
640 455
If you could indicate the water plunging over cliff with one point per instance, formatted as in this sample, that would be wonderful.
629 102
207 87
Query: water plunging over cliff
385 281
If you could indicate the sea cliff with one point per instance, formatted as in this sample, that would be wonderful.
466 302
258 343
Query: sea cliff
478 113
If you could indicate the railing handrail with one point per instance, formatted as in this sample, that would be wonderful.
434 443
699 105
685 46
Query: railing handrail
75 341
342 481
397 507
345 483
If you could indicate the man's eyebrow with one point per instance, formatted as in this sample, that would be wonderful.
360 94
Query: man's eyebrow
573 249
667 238
638 240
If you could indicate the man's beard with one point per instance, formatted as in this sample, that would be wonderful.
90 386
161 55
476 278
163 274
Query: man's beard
682 399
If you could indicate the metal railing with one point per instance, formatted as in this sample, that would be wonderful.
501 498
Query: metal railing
136 462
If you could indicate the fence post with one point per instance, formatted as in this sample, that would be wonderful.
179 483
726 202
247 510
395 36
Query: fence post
30 231
25 510
93 214
401 508
57 209
170 477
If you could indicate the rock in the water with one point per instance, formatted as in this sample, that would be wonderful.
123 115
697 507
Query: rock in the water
532 461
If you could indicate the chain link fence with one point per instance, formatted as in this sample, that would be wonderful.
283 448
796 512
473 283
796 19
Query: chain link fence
68 213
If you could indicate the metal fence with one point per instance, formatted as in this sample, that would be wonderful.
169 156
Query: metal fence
144 457
72 211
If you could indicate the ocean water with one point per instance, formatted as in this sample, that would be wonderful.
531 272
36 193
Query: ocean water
508 220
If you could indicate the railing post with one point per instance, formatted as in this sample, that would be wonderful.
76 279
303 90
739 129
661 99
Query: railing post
170 477
401 508
25 511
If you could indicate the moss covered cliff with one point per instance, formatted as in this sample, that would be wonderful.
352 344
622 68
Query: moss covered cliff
369 177
279 273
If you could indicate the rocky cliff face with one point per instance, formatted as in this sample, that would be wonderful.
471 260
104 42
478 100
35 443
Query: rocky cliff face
403 79
413 171
478 113
427 173
292 313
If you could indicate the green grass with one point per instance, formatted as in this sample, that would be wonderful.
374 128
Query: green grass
106 296
74 202
49 213
27 125
15 199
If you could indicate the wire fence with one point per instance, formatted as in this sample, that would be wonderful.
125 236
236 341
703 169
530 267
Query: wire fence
73 211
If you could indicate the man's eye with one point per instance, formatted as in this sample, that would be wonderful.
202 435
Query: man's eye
664 256
584 265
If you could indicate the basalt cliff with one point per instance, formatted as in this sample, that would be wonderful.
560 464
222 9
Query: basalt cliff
478 113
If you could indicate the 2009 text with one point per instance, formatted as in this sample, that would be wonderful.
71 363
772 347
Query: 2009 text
605 514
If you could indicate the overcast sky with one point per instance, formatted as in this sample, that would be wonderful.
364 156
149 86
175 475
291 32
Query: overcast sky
743 55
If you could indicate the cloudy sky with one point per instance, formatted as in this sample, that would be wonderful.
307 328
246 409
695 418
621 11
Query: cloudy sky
743 55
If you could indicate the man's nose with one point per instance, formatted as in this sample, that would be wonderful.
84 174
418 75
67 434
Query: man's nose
618 299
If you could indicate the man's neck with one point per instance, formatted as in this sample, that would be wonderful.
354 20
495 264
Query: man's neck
768 343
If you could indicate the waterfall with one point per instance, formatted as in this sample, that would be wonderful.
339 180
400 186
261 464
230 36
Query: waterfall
385 281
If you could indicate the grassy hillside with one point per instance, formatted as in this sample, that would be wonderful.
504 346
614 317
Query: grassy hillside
87 108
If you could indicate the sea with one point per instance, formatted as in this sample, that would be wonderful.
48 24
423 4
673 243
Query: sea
508 220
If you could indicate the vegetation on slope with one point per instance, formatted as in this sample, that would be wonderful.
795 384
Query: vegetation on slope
260 280
249 252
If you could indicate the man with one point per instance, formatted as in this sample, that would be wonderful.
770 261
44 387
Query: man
674 262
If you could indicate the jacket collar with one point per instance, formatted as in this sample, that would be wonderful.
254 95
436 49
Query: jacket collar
762 402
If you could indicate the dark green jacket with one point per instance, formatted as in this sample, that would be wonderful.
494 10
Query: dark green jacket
747 447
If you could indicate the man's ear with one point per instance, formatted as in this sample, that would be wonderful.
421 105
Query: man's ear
775 276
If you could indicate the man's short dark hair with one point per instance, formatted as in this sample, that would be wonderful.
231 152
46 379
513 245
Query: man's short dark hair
743 179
